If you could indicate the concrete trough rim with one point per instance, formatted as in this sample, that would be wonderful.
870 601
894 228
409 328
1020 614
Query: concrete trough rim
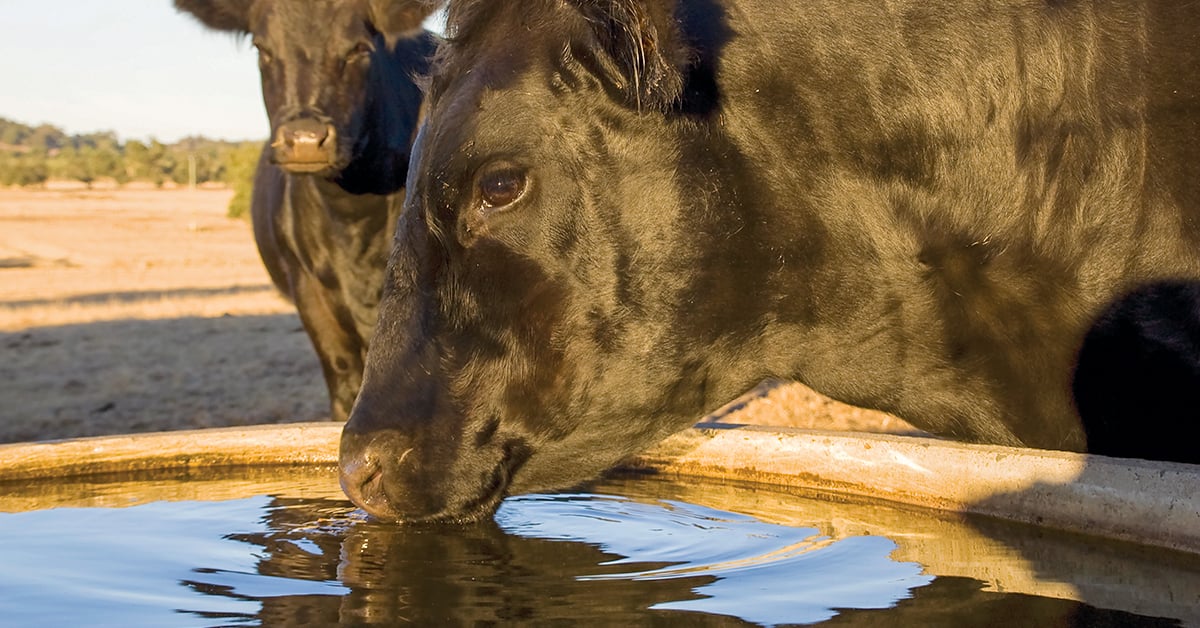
1145 502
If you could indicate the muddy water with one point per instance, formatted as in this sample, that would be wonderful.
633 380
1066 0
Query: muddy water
284 548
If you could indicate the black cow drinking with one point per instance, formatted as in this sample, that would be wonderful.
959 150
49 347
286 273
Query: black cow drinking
622 214
338 84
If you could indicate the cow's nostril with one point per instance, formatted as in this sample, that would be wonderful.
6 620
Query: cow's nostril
367 470
361 479
307 138
371 487
303 137
304 140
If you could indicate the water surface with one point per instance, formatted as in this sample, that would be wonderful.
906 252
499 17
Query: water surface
625 552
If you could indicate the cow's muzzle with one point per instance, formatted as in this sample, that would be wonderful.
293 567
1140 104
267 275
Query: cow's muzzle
305 145
372 466
394 478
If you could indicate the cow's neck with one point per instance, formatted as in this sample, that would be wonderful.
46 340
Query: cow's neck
844 221
391 111
340 205
331 230
789 285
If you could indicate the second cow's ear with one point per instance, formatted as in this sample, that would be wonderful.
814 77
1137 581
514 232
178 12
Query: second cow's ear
222 15
645 52
398 19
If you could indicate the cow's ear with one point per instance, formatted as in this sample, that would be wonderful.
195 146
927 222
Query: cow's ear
398 19
645 52
222 15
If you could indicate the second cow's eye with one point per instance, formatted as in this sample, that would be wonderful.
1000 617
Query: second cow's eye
264 54
501 187
359 52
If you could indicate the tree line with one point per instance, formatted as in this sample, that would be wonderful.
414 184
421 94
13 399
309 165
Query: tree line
30 156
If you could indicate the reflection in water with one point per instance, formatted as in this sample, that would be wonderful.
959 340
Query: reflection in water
543 560
568 557
763 573
439 575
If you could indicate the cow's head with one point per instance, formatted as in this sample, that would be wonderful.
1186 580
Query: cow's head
327 69
535 326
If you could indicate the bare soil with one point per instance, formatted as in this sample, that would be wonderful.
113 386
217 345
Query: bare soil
144 310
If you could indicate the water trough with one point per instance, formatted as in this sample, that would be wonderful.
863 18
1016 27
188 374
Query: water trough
1151 503
1145 507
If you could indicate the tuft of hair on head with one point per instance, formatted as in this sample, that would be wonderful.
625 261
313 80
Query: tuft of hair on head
641 40
635 47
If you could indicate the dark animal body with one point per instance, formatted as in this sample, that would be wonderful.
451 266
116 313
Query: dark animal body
338 84
622 214
1137 379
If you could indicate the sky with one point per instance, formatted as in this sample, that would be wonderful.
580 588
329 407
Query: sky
136 67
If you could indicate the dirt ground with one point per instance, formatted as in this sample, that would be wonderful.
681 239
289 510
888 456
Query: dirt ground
144 310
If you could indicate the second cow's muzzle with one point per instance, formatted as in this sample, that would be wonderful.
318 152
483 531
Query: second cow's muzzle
305 145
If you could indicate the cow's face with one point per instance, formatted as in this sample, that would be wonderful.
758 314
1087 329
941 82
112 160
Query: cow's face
324 64
534 327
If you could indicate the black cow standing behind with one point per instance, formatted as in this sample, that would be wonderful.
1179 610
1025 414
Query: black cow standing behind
623 213
338 84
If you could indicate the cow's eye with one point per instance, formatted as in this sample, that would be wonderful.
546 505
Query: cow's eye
501 187
358 52
264 55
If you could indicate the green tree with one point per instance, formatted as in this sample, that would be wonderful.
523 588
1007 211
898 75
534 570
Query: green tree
163 163
45 137
65 163
8 168
48 138
136 161
79 165
240 166
31 155
30 169
105 161
13 133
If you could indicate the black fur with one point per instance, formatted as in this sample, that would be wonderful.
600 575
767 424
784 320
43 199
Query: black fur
919 207
1137 381
323 222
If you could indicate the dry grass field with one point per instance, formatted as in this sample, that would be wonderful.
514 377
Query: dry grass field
141 310
144 310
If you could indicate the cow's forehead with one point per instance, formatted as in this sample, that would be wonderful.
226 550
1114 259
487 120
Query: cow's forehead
490 41
308 21
498 89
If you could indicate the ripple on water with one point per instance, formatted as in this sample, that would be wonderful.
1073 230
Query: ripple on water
622 555
760 572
